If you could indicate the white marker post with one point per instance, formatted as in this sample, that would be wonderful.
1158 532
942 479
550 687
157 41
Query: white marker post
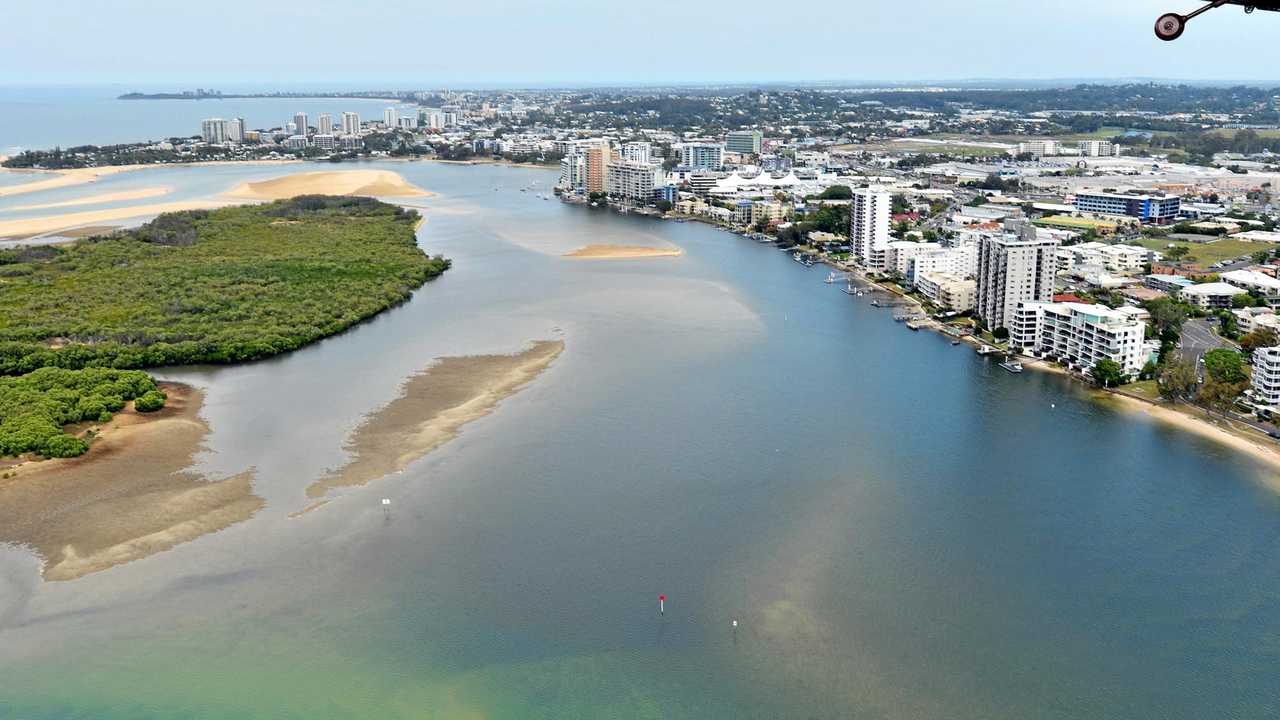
386 507
662 604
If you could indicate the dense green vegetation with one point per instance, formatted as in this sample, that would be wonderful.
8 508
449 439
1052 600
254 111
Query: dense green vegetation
35 407
216 286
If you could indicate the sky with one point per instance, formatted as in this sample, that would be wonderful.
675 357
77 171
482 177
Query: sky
159 44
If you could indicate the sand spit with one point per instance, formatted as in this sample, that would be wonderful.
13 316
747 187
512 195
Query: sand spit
31 227
620 252
432 407
127 498
376 183
66 178
100 199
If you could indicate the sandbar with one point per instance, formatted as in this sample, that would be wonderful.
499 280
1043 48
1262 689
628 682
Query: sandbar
375 183
102 198
30 227
619 252
127 498
66 178
431 409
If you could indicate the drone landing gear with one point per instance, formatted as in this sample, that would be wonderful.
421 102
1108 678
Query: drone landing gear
1170 26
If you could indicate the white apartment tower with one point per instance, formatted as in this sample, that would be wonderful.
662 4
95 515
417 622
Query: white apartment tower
324 124
638 152
706 156
236 130
869 224
214 131
1015 267
350 123
634 181
300 123
1266 376
390 117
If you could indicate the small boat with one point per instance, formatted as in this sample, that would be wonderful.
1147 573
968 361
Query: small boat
851 290
955 342
1013 367
913 324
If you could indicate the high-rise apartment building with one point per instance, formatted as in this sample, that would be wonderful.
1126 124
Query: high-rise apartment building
869 225
324 124
350 123
599 156
390 117
214 131
706 156
300 123
639 152
236 130
1013 267
633 181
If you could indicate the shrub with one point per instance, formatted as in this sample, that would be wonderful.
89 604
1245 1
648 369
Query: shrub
150 401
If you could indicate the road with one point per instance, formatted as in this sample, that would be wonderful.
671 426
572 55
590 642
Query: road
1199 338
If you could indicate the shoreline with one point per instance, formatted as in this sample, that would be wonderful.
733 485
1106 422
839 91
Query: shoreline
1268 453
129 497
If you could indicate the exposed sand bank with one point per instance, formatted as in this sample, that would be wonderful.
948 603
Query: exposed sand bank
603 252
30 227
1194 420
432 407
376 183
127 498
140 194
66 178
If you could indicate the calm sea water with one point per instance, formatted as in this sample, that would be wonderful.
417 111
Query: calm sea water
902 529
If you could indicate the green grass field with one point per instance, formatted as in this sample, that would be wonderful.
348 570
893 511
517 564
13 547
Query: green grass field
1210 253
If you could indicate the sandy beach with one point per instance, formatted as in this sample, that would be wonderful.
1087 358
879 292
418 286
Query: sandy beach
620 252
31 227
376 183
431 409
102 198
125 499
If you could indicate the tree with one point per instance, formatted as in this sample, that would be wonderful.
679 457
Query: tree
664 206
1225 366
1220 395
1000 333
1177 252
1260 338
151 401
1262 256
1176 380
1108 373
837 192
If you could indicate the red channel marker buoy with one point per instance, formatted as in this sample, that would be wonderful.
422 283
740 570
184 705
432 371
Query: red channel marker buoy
662 604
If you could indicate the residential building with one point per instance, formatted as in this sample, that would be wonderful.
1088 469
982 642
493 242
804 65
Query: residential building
869 224
961 262
1099 148
1039 148
296 142
633 181
1252 280
350 123
214 131
390 118
1210 296
1172 284
573 171
947 291
766 211
746 142
899 253
408 122
1155 209
705 156
702 182
324 124
1266 376
639 152
236 130
599 154
300 123
1013 268
324 141
1079 335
